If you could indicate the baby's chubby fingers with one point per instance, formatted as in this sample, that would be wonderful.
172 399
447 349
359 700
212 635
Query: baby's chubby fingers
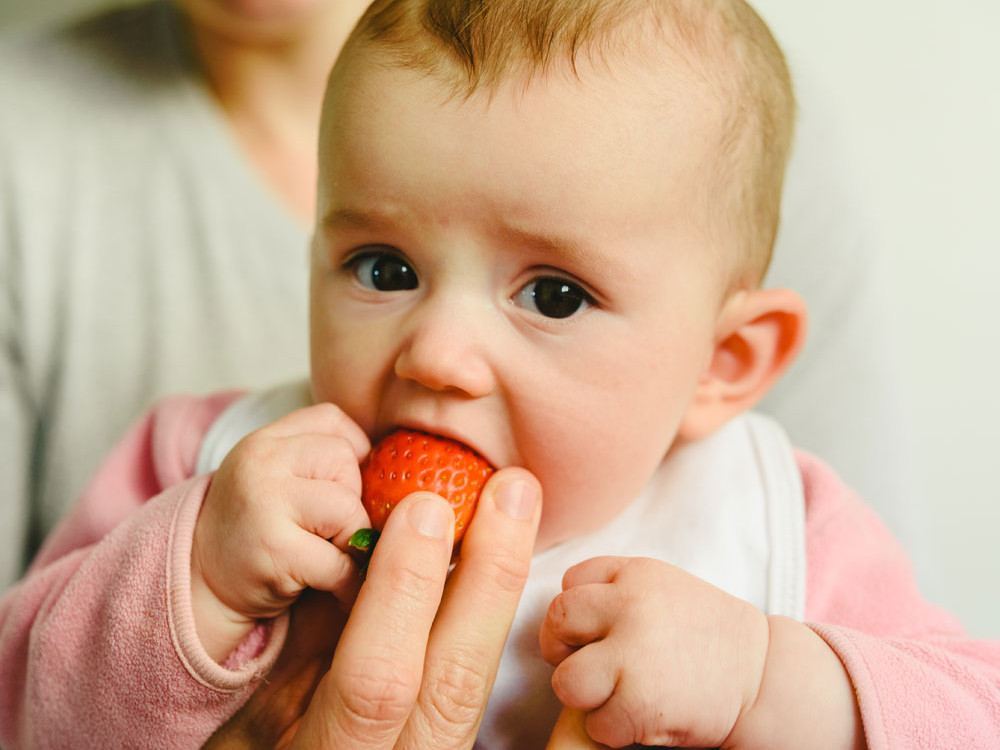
578 616
372 686
329 510
329 458
595 570
588 678
318 564
323 418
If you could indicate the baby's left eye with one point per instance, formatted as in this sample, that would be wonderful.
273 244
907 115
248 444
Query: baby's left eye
553 297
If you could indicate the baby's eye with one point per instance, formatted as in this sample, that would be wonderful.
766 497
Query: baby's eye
383 272
553 297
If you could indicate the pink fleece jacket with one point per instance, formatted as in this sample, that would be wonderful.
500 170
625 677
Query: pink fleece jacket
98 646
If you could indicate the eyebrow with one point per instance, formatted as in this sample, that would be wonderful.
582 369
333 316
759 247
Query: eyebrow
350 218
560 246
557 246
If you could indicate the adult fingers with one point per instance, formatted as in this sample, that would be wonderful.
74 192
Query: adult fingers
366 697
269 718
476 613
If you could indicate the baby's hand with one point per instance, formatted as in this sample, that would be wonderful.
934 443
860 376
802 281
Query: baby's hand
654 655
276 521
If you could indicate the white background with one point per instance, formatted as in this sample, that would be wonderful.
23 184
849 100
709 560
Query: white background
915 88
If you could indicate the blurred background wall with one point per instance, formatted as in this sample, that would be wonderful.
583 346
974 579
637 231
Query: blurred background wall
913 85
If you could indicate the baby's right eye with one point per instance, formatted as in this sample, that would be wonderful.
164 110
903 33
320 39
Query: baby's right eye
382 271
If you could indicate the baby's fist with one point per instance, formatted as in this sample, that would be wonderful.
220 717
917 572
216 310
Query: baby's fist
276 520
655 655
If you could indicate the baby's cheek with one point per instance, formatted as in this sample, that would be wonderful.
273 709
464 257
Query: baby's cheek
349 393
574 506
565 516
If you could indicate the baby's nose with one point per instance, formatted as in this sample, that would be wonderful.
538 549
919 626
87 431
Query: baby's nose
447 347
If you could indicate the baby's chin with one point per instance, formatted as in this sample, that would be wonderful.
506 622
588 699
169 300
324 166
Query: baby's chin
553 531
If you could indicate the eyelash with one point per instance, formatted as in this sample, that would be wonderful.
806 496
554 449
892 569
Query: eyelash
402 277
355 263
579 298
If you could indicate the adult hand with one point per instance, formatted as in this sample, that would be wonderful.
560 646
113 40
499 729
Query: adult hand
269 719
417 658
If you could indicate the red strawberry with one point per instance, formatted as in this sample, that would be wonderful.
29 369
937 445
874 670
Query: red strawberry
406 461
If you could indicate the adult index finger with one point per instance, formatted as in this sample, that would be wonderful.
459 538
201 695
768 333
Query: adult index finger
366 697
476 613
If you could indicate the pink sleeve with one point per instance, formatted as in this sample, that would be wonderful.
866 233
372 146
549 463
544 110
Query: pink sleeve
97 642
920 681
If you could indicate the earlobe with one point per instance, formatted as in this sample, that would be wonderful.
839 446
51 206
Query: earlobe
758 335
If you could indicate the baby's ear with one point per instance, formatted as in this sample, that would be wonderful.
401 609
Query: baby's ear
758 335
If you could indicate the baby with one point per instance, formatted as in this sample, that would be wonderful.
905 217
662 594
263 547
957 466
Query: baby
542 230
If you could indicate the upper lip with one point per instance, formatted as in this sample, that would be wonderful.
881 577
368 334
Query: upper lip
439 431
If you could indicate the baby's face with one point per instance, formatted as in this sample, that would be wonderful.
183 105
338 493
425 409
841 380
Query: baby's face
530 274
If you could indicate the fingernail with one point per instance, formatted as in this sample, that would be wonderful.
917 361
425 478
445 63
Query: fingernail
429 518
517 499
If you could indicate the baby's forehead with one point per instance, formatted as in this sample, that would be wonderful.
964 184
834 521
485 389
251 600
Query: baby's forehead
558 163
482 44
709 65
646 62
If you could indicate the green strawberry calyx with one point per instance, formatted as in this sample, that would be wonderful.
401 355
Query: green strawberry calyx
360 547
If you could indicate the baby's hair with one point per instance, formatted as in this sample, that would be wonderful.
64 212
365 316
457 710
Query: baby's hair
476 44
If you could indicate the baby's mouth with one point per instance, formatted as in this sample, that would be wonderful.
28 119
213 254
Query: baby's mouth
437 432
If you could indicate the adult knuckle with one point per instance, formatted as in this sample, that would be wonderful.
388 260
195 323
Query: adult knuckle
456 693
406 583
377 692
507 571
